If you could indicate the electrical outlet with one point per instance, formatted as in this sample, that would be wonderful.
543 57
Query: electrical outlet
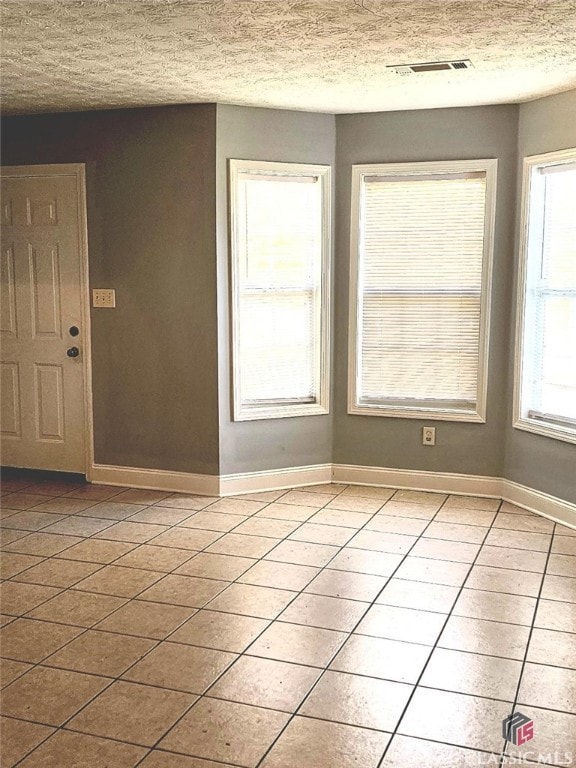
103 297
428 435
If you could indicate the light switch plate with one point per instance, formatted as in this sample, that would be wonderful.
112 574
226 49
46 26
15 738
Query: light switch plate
103 297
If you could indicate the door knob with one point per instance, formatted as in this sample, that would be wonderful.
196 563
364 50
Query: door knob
73 352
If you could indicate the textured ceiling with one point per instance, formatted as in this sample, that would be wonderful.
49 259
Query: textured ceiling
320 55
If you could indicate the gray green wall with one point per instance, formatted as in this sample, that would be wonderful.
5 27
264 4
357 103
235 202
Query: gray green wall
536 461
245 133
151 230
441 134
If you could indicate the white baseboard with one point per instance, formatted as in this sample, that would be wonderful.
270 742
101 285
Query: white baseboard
544 504
415 480
275 479
155 479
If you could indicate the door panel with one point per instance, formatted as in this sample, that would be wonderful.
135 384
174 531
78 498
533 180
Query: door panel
43 410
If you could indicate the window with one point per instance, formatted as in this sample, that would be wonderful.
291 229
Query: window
420 289
280 258
545 386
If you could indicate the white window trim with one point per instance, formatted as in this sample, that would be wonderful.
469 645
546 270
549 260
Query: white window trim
489 166
241 412
525 423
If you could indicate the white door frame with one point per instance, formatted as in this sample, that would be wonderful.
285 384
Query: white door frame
78 170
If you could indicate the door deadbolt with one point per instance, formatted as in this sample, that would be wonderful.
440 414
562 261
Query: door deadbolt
73 352
74 330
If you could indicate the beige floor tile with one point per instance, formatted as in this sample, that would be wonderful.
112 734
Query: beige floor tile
565 530
468 534
508 507
426 718
410 526
50 696
405 752
489 637
81 609
525 522
66 748
516 559
53 487
564 545
42 544
353 586
554 734
180 667
97 551
455 551
267 526
237 506
101 653
226 731
159 759
559 588
419 595
407 624
29 640
19 598
136 533
280 575
160 515
245 546
307 499
476 517
148 557
211 566
471 673
535 542
323 534
308 743
57 573
369 492
262 495
409 509
341 518
130 712
548 687
424 498
356 504
250 600
298 643
504 580
385 659
22 500
223 631
432 571
183 538
472 502
31 520
12 484
140 496
495 606
365 561
556 615
143 619
118 581
183 501
111 510
325 612
561 565
356 700
301 553
550 647
183 590
10 536
265 683
19 738
79 526
94 492
11 670
64 506
279 511
213 521
11 564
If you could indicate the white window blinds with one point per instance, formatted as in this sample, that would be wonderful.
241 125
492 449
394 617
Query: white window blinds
421 280
279 251
548 391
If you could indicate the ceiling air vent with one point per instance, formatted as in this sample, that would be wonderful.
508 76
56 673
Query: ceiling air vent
430 66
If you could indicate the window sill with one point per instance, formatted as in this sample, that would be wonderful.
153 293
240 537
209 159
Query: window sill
417 413
554 431
280 412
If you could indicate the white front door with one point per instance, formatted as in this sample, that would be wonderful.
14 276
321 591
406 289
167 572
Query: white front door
43 424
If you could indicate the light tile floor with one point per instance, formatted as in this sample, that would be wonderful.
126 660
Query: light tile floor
326 627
